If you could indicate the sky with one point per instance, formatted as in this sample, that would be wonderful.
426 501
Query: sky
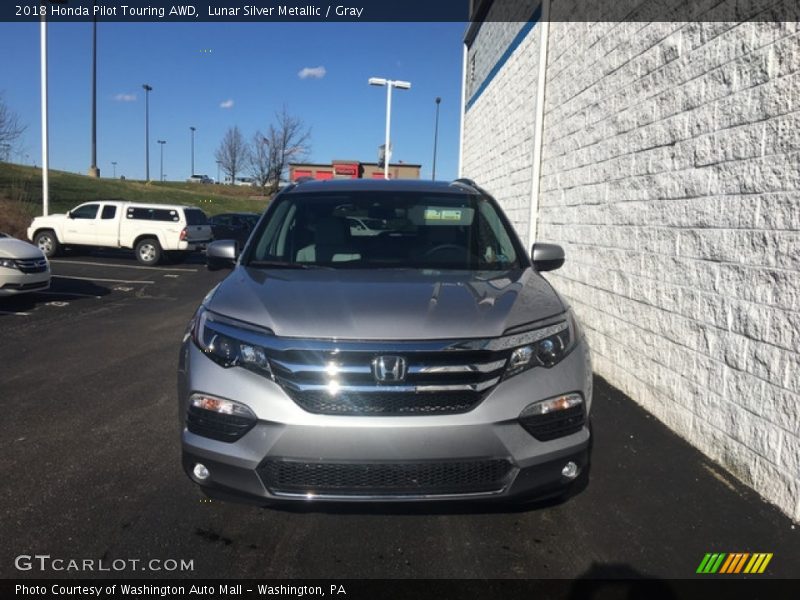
213 76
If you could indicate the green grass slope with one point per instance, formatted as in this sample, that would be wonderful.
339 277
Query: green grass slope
21 195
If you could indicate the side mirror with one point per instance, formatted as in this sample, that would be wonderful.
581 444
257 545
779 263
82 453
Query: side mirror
222 254
547 257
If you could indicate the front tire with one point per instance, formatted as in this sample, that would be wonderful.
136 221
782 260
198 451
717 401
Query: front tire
47 242
148 251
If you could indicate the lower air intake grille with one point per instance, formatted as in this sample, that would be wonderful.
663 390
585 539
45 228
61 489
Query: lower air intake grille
386 404
225 428
555 424
429 478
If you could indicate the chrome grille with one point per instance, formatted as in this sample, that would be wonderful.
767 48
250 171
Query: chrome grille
345 383
32 265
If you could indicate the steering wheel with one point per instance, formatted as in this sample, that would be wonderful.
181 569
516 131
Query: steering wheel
444 247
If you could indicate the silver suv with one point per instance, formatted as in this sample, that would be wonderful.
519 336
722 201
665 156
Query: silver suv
431 361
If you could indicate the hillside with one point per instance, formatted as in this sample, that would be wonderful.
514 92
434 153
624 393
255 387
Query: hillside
21 195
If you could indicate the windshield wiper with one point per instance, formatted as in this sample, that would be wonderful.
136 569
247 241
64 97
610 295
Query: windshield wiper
281 264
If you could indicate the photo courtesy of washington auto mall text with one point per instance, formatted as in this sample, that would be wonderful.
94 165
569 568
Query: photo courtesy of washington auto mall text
211 591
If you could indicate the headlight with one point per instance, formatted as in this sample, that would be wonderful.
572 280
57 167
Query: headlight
226 343
8 263
545 346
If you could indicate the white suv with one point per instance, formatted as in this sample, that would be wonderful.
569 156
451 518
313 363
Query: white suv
151 230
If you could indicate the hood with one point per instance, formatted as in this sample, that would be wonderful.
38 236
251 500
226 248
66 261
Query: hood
13 248
387 304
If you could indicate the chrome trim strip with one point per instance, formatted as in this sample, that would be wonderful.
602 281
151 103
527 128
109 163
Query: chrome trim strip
331 369
473 368
334 388
337 368
386 497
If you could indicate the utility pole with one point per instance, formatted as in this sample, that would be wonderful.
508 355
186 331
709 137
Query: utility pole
147 90
435 137
193 129
93 170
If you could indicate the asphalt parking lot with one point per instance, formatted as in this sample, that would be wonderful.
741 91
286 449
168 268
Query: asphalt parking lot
90 457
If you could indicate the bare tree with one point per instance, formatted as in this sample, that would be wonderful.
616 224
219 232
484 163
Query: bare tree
287 140
10 129
232 153
260 160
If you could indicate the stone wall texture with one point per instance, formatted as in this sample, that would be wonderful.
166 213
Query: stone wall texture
671 176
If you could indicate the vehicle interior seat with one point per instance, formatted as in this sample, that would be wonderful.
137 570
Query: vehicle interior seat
332 243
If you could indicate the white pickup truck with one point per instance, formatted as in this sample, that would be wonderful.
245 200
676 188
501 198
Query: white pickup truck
150 230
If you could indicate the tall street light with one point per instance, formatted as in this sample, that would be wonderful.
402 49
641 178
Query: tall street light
218 165
45 116
114 164
93 170
147 89
435 137
193 129
161 143
403 85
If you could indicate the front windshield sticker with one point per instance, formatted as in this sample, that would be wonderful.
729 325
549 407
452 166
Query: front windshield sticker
448 216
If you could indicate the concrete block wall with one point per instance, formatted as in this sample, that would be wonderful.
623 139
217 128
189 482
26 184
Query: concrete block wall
671 175
498 128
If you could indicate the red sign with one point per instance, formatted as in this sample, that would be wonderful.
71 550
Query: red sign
346 169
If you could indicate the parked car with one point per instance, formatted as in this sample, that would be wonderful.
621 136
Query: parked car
150 230
430 362
233 226
199 179
23 267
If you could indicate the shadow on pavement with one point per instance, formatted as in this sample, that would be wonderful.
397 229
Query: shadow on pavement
62 289
619 581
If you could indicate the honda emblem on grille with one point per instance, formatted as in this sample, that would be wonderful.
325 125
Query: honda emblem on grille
389 369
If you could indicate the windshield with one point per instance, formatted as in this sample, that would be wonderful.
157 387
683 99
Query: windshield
368 229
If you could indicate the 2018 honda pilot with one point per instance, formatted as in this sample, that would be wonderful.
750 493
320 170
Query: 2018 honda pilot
431 361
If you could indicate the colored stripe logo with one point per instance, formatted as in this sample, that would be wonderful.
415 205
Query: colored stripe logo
734 563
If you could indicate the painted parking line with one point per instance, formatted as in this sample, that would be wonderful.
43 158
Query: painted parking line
103 280
75 294
172 275
98 264
21 314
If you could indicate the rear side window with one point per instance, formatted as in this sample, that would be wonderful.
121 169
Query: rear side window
153 214
109 211
195 216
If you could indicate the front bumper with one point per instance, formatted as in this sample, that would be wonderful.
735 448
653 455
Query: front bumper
375 448
14 282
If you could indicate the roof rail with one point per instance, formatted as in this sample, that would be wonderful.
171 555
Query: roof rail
467 182
304 179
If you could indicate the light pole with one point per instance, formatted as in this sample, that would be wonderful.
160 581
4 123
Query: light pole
93 170
45 116
218 165
435 137
403 85
193 129
161 143
147 89
114 164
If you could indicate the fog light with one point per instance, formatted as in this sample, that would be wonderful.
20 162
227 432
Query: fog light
200 472
570 470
